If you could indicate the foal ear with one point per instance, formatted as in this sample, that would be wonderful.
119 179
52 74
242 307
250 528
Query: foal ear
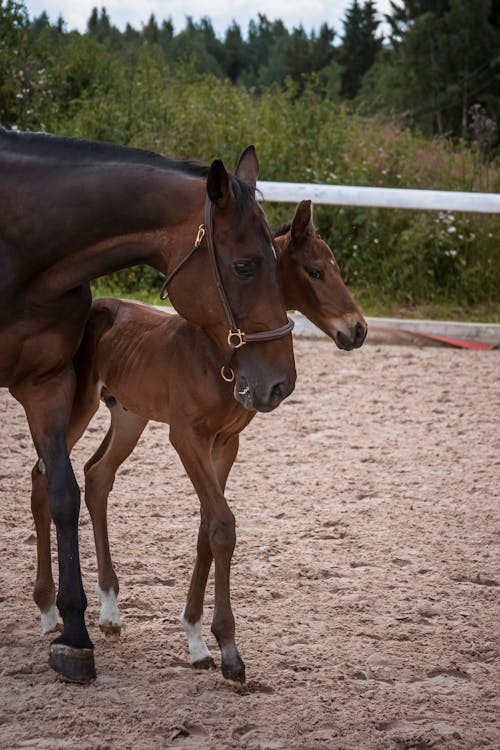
248 167
218 185
302 221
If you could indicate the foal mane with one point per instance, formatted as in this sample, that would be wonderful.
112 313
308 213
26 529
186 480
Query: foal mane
283 229
66 150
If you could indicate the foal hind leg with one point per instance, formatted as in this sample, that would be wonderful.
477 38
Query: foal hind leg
119 442
223 456
218 525
47 405
44 592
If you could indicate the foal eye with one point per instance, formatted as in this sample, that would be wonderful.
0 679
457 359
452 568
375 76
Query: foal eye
314 273
245 268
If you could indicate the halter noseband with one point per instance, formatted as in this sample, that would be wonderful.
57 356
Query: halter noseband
236 338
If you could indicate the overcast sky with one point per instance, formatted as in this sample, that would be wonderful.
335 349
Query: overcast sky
310 13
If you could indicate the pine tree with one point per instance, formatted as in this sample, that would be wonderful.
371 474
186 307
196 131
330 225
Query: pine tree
445 57
360 45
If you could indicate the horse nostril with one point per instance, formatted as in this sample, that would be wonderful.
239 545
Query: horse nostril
277 394
359 333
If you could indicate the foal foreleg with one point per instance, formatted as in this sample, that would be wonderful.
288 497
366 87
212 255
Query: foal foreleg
218 527
119 442
224 452
192 614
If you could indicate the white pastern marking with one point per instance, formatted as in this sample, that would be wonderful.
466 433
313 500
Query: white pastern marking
49 619
198 649
109 607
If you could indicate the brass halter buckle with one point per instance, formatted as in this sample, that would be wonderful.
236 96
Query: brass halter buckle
228 378
240 338
200 235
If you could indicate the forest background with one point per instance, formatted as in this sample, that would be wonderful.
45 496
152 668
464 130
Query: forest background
417 106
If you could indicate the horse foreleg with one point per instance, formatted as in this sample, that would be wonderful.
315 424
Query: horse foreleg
218 525
119 442
47 404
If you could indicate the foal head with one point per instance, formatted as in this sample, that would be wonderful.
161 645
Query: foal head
250 301
311 281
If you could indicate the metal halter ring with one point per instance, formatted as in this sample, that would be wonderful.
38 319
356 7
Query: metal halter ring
200 235
239 334
224 376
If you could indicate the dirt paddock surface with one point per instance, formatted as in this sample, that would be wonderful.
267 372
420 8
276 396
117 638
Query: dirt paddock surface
366 578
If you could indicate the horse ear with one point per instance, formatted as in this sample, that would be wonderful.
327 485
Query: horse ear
302 220
218 186
248 167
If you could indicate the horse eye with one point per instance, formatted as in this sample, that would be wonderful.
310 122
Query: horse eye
245 268
314 273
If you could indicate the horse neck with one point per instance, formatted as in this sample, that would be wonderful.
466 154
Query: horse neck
92 217
126 215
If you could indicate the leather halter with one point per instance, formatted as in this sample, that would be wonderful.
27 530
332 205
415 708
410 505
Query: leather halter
236 338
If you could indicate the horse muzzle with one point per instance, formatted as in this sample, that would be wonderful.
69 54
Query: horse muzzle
256 396
351 337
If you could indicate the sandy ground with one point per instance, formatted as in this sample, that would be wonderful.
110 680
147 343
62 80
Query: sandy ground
366 579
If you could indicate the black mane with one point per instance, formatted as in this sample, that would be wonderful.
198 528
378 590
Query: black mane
74 149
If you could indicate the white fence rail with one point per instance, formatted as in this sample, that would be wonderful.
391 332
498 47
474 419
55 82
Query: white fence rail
376 197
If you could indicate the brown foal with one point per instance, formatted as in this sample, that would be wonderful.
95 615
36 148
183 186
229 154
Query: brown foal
148 365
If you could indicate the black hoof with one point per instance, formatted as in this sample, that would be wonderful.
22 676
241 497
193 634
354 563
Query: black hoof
235 677
206 663
72 664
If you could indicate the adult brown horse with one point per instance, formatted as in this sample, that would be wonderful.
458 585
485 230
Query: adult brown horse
153 366
73 210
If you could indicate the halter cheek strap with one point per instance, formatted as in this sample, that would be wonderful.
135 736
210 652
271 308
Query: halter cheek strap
236 338
197 243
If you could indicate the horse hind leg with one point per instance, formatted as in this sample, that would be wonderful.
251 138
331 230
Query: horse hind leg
48 405
85 405
120 440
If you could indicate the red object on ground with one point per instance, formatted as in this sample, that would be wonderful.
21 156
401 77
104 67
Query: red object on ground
461 343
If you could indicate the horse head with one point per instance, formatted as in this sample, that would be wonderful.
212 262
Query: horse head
312 283
243 311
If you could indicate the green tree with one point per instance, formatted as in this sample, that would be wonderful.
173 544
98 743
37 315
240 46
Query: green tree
151 31
443 57
198 43
235 52
14 42
266 51
360 45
